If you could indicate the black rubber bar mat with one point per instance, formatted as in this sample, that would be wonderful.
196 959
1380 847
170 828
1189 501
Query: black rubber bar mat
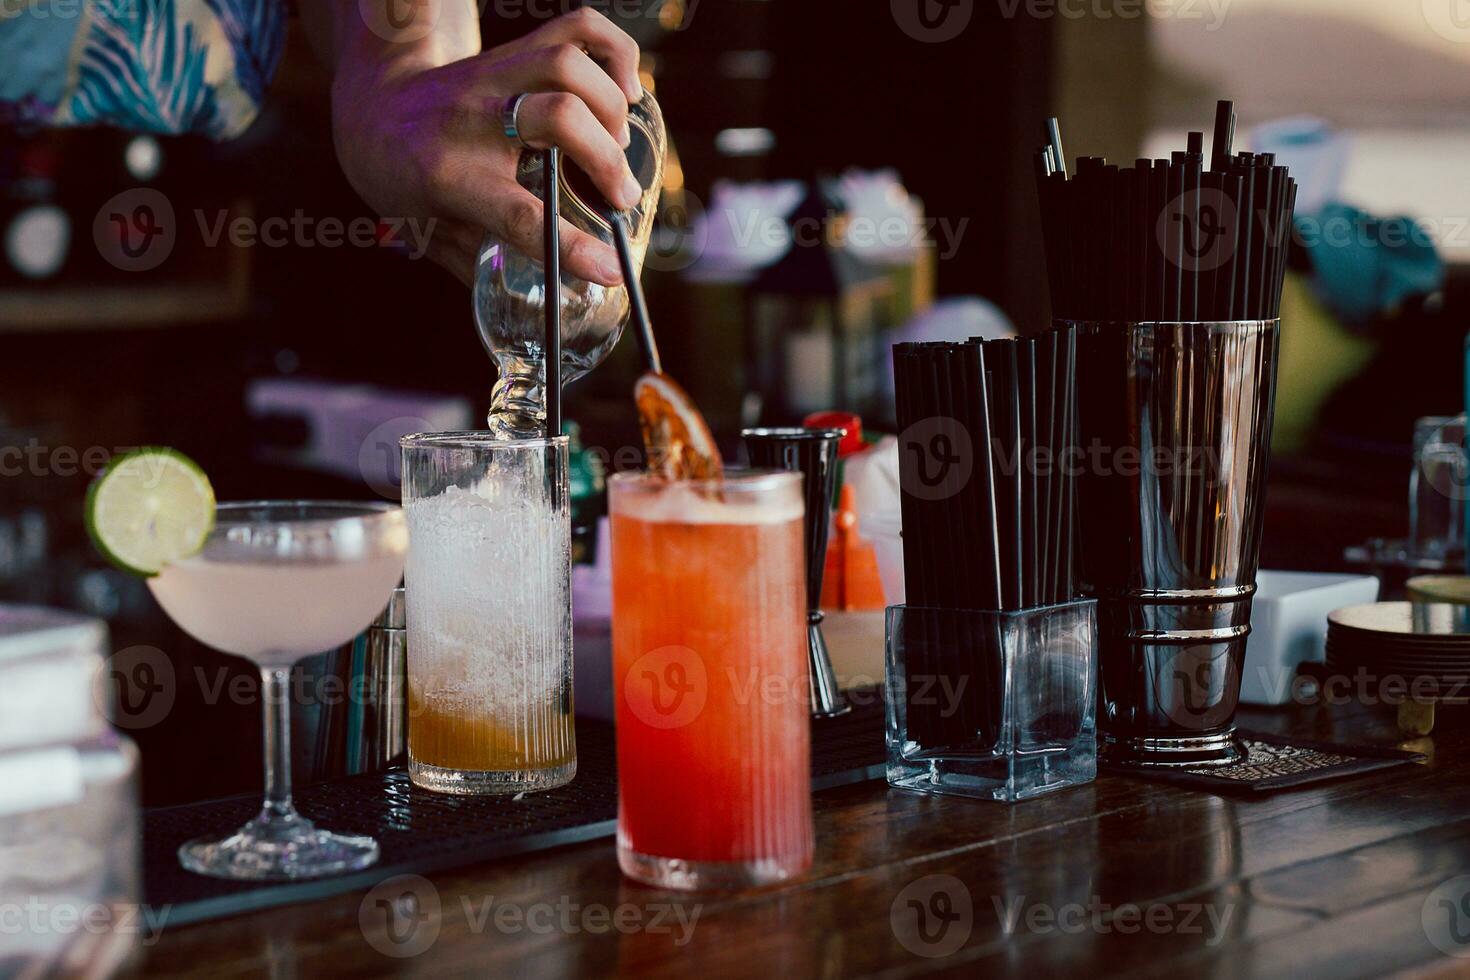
419 831
1275 763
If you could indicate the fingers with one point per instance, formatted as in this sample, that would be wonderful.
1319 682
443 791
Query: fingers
566 68
514 215
455 247
454 259
582 256
608 43
561 119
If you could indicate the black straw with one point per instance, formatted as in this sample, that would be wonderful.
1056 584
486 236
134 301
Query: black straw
1224 144
1000 539
551 196
642 324
1054 143
1166 240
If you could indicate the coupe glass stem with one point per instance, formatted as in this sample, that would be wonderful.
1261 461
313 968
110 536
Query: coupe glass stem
518 401
274 683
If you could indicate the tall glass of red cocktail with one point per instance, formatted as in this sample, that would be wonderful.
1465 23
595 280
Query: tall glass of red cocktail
710 676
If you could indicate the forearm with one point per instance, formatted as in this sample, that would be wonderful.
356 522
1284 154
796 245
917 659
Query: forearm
362 40
370 47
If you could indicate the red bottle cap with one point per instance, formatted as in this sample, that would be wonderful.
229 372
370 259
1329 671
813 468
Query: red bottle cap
852 442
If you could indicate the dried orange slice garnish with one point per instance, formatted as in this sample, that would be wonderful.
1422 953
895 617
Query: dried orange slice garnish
675 436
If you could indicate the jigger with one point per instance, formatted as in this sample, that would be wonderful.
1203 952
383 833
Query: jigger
813 454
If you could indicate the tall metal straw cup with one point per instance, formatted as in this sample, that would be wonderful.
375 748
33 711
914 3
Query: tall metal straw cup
1176 430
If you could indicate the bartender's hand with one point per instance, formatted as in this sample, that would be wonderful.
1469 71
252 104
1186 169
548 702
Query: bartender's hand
416 114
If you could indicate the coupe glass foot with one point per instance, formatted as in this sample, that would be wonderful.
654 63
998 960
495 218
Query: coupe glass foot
279 849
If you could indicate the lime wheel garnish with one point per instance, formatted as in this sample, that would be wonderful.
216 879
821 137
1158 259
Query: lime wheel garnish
148 508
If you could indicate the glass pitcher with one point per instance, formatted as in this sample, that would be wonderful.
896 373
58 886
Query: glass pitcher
510 295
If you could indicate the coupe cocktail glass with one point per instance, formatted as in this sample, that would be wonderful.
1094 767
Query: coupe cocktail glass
489 613
277 581
710 673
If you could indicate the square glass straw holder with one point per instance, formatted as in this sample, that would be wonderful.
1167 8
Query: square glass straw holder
991 704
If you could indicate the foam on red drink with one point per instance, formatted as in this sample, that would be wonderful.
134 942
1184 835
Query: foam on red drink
710 675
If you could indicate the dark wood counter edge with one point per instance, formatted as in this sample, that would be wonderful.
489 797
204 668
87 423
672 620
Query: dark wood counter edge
1331 879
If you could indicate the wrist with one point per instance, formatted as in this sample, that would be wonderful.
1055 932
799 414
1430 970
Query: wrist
378 38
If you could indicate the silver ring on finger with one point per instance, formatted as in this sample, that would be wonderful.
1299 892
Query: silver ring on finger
510 120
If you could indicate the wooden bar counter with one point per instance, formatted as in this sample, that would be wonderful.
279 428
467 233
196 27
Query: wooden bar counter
1121 877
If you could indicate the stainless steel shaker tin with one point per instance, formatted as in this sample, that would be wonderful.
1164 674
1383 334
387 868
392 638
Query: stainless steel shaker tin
1176 429
358 721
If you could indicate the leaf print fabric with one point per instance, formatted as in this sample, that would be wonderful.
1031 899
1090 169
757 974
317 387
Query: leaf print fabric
159 66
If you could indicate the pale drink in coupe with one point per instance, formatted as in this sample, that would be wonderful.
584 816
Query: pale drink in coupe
275 612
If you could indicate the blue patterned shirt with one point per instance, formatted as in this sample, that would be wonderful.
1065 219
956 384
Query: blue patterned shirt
158 66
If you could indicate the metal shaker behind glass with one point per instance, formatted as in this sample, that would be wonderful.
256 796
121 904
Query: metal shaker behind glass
359 721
